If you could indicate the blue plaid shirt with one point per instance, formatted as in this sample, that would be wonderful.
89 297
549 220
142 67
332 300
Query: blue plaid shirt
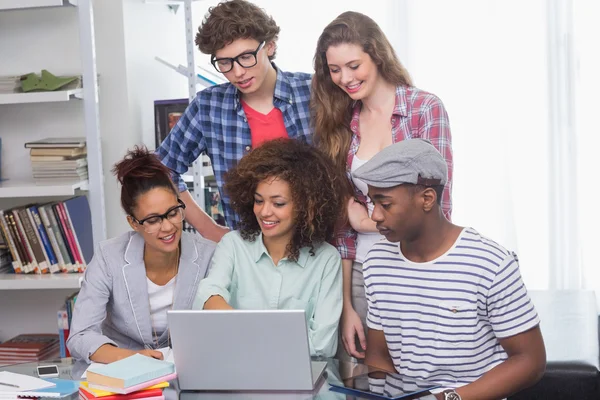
215 124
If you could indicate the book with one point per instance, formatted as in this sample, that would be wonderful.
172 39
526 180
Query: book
79 217
134 388
78 142
91 394
67 152
29 343
128 372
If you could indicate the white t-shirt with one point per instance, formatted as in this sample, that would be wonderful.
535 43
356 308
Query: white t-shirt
443 319
364 241
161 300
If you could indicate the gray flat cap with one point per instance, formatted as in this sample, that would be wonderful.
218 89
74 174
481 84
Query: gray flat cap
413 161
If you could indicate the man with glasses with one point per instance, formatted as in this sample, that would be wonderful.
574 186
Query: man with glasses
226 121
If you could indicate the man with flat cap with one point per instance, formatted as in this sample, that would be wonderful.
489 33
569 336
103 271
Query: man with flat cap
446 304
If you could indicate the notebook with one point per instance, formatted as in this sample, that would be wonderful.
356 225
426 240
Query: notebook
134 388
29 386
103 393
129 371
86 394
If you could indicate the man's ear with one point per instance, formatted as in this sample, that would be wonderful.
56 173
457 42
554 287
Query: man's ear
271 47
429 199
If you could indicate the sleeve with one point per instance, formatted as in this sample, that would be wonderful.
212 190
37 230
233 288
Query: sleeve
90 310
323 325
434 126
509 308
184 144
373 317
220 275
345 241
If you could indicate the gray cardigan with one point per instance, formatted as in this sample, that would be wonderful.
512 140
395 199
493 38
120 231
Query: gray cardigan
113 306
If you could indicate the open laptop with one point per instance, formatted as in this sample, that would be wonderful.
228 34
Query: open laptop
242 350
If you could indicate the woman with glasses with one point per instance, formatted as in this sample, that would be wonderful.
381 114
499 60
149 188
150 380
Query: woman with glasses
287 195
260 102
363 101
135 278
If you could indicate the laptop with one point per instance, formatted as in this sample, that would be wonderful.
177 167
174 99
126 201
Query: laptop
242 350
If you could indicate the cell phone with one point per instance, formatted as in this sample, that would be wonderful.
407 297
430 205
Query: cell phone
47 371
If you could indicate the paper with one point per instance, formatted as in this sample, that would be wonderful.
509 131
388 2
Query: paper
24 382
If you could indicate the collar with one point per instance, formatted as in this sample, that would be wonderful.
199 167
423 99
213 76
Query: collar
259 250
400 108
283 89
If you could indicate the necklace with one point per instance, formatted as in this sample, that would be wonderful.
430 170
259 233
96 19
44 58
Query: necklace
154 334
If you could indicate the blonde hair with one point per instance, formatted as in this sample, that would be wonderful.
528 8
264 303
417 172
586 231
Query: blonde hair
331 108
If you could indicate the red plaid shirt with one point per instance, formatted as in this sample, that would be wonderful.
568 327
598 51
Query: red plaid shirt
417 114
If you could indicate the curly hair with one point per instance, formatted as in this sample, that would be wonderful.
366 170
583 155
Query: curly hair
315 188
331 108
232 20
139 172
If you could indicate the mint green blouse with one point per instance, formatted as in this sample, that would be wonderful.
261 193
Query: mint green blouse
243 273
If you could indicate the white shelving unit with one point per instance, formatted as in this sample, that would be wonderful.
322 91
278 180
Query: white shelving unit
21 188
40 97
34 299
39 282
20 4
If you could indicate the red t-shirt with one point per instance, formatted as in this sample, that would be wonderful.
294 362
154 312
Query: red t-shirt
264 127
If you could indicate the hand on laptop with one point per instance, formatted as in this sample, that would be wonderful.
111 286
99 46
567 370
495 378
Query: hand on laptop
352 327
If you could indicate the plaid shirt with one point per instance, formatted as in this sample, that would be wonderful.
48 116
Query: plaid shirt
215 123
417 114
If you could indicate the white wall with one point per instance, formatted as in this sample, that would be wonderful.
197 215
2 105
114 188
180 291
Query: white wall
129 34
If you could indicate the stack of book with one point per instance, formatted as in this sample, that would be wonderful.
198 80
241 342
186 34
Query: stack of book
10 84
49 238
134 377
29 347
58 160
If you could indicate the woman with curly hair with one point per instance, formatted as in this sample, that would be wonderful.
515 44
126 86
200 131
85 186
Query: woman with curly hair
363 100
287 195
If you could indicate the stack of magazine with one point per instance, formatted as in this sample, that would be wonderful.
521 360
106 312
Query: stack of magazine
56 161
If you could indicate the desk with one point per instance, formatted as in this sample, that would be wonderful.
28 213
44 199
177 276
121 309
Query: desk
334 372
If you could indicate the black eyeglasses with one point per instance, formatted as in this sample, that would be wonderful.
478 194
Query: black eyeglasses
152 224
245 60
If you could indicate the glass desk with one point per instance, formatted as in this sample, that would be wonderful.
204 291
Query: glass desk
336 373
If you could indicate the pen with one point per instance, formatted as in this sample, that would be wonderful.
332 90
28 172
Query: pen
10 384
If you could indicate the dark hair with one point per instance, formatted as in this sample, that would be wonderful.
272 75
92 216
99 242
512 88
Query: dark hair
331 108
138 172
439 189
314 184
232 20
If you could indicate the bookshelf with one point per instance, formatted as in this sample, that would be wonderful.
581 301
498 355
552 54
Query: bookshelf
40 97
21 4
38 282
57 35
22 188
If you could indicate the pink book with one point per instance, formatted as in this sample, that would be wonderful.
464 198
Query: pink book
137 387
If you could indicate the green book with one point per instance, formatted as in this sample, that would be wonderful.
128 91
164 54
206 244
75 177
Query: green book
129 371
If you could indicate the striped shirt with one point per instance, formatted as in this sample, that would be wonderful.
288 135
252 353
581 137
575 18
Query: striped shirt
442 319
215 123
417 114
